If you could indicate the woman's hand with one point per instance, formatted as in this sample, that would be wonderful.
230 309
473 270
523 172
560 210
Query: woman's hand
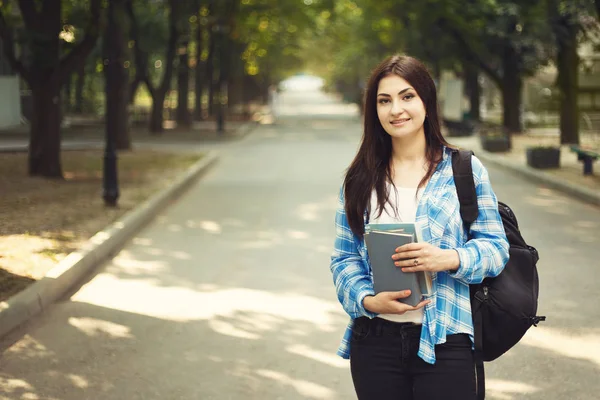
387 303
415 257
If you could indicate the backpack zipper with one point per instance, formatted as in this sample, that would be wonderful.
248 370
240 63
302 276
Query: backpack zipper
482 295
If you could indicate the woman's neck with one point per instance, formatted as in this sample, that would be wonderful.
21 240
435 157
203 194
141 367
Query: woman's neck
409 151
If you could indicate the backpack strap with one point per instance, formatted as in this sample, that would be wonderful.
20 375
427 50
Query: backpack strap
467 196
465 186
478 354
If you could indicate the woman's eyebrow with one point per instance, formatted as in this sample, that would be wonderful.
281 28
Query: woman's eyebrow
400 92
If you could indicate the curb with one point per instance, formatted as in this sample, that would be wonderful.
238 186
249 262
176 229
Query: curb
24 148
36 298
584 194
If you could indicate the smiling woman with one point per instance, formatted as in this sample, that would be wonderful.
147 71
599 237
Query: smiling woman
402 173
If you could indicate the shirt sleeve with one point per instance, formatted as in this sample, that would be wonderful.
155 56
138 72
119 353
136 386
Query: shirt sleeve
486 252
350 274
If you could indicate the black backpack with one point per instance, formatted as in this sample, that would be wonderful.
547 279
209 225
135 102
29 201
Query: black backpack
504 307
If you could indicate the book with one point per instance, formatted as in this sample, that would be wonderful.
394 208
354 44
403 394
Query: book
401 227
382 241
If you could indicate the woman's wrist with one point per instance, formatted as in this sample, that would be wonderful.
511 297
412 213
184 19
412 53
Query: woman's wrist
368 303
453 260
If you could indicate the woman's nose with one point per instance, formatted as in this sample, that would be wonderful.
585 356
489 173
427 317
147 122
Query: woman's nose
397 108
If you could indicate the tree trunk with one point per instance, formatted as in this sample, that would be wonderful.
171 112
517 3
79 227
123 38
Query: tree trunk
140 56
67 89
116 76
199 73
512 85
156 114
210 68
235 86
568 83
474 91
79 85
44 137
159 94
45 73
183 85
44 47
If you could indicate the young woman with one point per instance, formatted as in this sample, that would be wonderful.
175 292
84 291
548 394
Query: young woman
403 173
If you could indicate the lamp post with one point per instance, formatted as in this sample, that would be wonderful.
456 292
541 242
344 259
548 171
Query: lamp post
110 193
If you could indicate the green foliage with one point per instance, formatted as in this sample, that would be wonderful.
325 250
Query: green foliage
272 31
356 34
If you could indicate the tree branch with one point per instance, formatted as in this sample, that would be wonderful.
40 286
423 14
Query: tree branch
9 49
468 52
79 53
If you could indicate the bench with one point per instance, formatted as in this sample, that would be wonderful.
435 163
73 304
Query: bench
588 156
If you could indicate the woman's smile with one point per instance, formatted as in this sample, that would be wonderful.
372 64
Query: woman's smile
397 123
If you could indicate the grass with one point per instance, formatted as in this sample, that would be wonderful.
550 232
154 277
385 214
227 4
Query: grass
43 220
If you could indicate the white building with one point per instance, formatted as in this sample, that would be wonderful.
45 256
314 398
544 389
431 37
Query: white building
10 96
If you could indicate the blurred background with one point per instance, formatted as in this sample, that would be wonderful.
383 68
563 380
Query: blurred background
227 293
501 66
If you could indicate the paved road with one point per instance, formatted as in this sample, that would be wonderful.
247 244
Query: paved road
228 295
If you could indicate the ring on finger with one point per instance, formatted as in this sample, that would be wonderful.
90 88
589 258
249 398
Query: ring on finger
416 262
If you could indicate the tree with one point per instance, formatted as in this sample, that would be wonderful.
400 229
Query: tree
200 64
189 15
142 52
569 19
116 76
44 71
506 40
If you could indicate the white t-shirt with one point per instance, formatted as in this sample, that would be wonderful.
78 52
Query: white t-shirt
406 206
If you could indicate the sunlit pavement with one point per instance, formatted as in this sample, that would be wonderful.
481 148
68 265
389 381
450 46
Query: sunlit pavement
228 294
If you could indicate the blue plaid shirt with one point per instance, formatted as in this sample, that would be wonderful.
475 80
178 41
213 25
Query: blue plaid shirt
438 218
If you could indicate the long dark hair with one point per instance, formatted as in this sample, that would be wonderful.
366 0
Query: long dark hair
371 168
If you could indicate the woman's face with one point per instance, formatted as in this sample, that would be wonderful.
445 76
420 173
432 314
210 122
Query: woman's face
400 110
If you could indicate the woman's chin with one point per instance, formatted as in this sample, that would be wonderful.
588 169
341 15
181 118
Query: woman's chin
401 132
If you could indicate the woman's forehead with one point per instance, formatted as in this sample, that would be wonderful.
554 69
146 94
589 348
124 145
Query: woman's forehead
392 84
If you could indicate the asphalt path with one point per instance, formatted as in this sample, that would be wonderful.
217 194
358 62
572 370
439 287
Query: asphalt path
228 293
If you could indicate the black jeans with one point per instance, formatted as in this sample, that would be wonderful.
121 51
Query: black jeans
385 364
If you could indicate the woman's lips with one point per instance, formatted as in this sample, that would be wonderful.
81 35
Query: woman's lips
400 122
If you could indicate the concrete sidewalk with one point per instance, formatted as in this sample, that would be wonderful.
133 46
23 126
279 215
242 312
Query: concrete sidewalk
568 179
86 138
